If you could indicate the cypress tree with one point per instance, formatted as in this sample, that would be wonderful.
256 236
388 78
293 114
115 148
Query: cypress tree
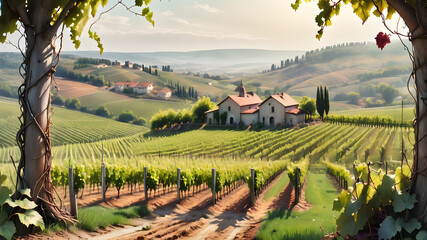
326 96
318 100
321 103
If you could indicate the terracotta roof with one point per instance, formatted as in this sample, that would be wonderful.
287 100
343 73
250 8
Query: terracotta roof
213 110
131 84
249 111
164 90
283 99
144 85
296 111
249 99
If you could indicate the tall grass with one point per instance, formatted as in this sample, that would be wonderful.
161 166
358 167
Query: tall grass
92 218
284 224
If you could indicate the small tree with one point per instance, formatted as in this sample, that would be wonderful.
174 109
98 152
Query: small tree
126 116
140 121
353 97
72 103
204 104
102 111
308 105
326 98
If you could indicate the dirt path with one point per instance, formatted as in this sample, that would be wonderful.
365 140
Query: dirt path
232 217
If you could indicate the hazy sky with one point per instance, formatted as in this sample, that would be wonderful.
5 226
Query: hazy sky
185 25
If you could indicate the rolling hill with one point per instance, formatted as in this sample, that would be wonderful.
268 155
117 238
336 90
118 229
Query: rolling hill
67 126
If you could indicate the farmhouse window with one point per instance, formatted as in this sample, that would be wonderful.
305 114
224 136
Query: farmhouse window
272 109
229 108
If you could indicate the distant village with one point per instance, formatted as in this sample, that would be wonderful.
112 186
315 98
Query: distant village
141 88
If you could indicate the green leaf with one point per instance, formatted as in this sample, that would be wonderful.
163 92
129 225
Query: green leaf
4 194
403 201
353 207
139 3
385 190
410 225
295 5
342 200
3 178
422 235
31 217
26 192
347 225
145 11
7 230
24 204
387 228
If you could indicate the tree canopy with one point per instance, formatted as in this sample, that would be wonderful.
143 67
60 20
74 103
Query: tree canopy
73 14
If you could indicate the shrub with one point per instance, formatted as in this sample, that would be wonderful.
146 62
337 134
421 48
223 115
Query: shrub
202 105
102 111
126 116
58 100
72 103
140 121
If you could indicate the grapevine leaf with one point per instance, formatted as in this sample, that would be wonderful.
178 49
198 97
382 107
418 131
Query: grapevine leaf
347 225
295 5
402 177
403 201
385 190
24 204
388 228
422 235
390 11
410 225
7 230
342 200
26 192
4 194
3 178
139 3
353 207
31 217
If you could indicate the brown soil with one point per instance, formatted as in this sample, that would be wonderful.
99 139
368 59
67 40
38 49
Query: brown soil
232 217
73 89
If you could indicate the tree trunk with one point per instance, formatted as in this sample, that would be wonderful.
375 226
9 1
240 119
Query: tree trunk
34 136
420 148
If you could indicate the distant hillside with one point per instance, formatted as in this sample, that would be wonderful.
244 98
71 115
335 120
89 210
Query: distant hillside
342 69
246 61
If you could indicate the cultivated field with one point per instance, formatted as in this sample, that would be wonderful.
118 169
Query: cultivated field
232 153
67 127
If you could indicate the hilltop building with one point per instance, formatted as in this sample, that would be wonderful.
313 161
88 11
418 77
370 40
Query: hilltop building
143 88
165 93
121 86
138 88
247 108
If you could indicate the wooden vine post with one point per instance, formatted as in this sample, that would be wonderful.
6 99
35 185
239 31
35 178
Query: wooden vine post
103 175
213 185
297 185
145 184
178 182
73 201
253 186
103 180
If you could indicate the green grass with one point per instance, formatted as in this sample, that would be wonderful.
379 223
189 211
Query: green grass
277 188
283 224
117 103
92 218
67 126
392 111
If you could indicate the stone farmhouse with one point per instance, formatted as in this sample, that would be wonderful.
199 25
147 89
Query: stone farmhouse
143 88
138 88
165 93
247 108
